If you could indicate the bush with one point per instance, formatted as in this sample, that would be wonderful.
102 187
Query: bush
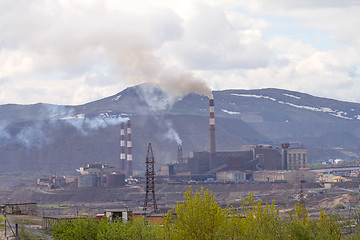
91 228
339 206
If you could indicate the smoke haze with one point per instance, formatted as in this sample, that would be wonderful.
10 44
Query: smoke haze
171 133
35 134
85 125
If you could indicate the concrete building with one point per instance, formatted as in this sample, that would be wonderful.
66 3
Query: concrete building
233 176
283 175
258 158
123 214
21 208
98 174
97 169
296 158
51 181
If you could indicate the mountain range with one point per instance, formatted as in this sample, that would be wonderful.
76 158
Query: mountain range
47 139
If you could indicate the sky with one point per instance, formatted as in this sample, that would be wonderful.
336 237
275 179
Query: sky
72 52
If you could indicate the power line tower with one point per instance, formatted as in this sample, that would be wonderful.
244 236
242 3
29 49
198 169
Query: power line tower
150 181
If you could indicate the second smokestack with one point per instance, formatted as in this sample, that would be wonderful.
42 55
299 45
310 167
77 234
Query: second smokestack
129 171
212 126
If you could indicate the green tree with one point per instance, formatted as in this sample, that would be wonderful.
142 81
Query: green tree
79 228
300 226
259 221
2 220
199 216
91 228
132 230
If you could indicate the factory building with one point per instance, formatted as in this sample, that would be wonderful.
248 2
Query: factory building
296 158
233 176
261 157
284 176
97 174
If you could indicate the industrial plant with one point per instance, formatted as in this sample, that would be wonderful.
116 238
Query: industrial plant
111 190
237 165
258 163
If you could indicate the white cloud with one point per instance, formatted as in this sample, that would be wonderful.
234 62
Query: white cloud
71 52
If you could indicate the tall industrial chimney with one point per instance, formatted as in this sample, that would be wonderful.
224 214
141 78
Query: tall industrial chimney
212 127
180 154
122 148
129 171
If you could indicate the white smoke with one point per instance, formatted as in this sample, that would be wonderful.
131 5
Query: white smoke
31 137
4 134
84 125
56 112
155 97
35 136
80 121
171 134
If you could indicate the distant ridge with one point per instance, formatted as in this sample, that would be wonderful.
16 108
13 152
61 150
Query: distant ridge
46 138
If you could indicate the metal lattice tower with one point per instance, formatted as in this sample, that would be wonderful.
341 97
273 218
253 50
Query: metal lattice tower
150 181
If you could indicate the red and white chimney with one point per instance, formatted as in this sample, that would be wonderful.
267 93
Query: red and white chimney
122 148
129 171
212 127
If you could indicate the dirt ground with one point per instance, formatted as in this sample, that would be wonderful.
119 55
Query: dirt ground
74 201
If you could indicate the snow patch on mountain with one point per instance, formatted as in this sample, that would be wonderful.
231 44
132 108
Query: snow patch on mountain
116 98
254 96
78 116
289 95
335 113
230 112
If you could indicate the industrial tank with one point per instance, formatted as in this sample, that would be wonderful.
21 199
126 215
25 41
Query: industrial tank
115 180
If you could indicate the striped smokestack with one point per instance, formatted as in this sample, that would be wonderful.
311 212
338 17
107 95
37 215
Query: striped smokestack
122 148
212 126
129 171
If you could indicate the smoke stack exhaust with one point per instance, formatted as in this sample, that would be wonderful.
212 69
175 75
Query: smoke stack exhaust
122 148
129 171
212 127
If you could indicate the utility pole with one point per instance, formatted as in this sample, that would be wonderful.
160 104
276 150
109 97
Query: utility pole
301 196
150 181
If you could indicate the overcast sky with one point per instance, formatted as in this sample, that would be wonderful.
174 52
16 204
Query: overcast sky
73 52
